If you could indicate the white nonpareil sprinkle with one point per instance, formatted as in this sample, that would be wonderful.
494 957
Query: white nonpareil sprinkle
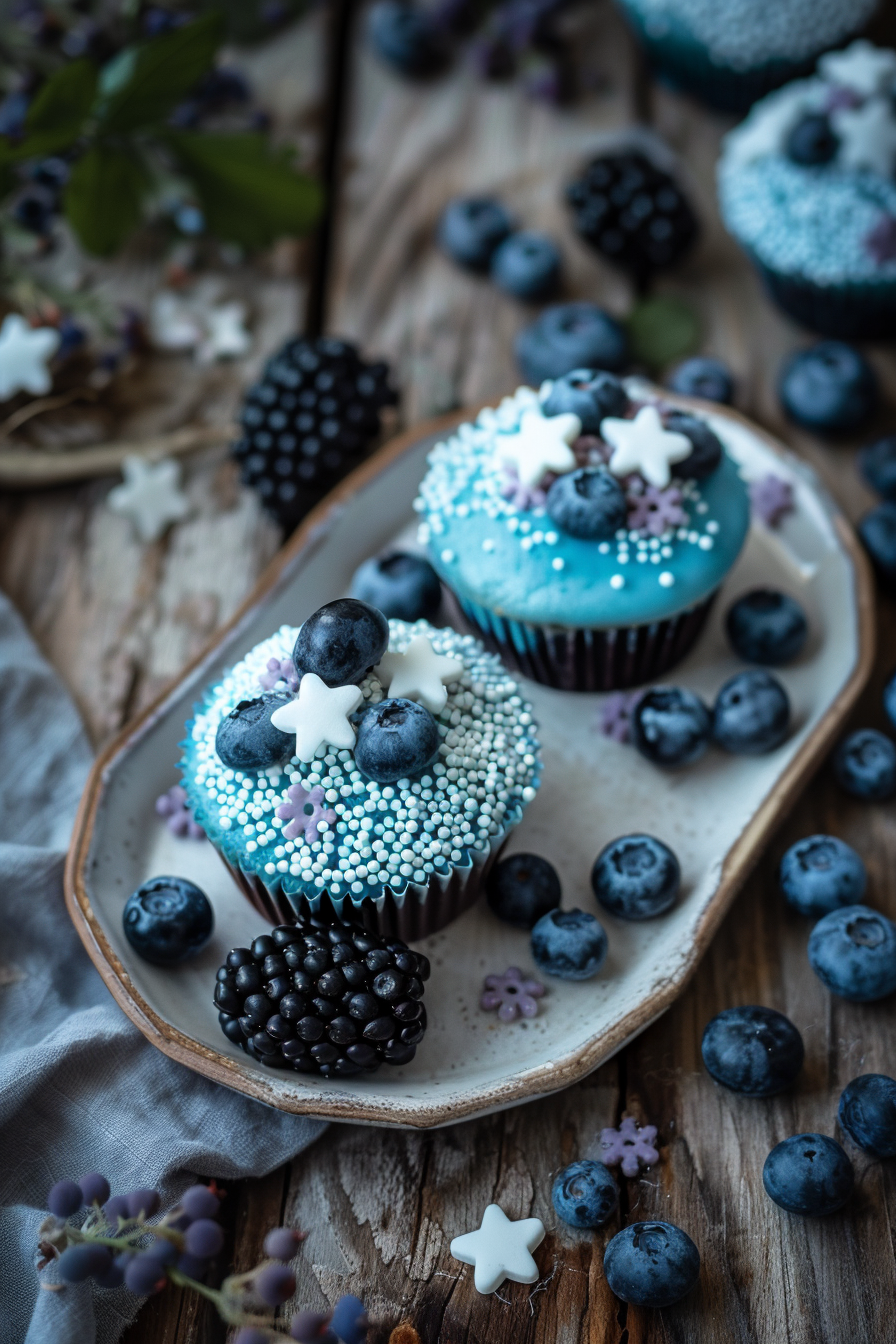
666 579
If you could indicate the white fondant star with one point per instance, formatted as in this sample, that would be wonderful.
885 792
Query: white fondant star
319 716
150 496
419 674
644 445
862 67
867 136
227 337
541 444
500 1249
24 354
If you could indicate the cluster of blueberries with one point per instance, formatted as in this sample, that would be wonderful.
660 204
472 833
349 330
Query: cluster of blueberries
479 234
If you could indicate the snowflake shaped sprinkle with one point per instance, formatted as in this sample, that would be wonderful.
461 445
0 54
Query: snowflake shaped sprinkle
653 511
172 805
513 994
629 1147
304 811
279 669
615 717
520 496
771 499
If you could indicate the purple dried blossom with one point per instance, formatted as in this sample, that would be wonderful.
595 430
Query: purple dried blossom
521 496
513 994
771 498
615 716
880 242
840 97
629 1147
279 669
653 511
303 810
590 451
172 805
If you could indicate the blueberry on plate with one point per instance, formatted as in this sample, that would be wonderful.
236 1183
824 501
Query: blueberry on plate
247 740
830 388
767 627
527 266
406 37
636 877
751 715
402 586
812 141
809 1174
167 920
821 874
753 1050
522 888
706 452
865 765
877 533
877 463
570 336
591 394
651 1264
868 1113
853 951
396 739
584 1194
569 944
588 503
471 228
671 726
703 377
341 641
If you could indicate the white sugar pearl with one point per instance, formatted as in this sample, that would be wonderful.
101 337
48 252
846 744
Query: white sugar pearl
666 579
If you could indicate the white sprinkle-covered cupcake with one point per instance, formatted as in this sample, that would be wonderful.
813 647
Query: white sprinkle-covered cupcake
371 766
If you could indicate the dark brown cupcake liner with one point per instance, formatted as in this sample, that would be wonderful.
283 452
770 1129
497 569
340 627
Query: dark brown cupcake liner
850 312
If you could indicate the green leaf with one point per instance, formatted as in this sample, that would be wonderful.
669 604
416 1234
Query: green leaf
103 198
662 330
249 192
57 115
148 81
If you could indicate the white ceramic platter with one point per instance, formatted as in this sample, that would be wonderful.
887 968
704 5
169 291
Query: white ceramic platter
717 816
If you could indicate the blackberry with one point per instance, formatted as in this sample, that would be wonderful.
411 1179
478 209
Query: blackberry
632 212
311 418
323 998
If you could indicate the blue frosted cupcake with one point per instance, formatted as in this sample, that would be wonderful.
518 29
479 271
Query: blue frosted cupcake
383 792
731 52
584 534
806 186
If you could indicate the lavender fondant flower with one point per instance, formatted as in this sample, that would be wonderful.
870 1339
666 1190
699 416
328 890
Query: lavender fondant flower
513 994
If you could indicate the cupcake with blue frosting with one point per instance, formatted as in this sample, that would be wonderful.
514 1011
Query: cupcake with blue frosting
807 186
362 767
584 532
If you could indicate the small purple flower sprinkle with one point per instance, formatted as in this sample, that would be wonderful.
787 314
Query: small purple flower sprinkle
653 511
172 805
629 1147
771 499
513 994
279 669
880 241
615 716
303 811
521 496
842 97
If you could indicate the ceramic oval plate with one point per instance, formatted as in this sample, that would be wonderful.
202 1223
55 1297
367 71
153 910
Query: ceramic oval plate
717 816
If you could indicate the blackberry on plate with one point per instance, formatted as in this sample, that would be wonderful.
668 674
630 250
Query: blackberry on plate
632 212
325 998
311 418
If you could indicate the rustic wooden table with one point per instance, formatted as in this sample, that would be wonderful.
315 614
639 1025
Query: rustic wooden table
119 619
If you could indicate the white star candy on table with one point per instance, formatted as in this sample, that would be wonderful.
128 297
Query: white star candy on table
227 336
867 136
419 674
643 445
541 444
173 323
500 1249
150 496
25 352
319 716
862 67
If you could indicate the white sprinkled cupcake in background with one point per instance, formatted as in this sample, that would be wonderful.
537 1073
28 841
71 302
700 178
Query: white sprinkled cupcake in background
369 766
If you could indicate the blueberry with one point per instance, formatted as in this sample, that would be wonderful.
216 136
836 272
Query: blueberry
865 765
703 377
471 228
569 944
768 627
812 141
349 1322
809 1174
651 1264
752 1050
877 533
527 266
636 877
877 463
402 586
396 739
34 209
830 388
591 394
707 448
751 715
341 642
570 336
889 699
584 1194
820 874
588 503
167 920
247 740
407 38
853 951
522 888
868 1113
671 726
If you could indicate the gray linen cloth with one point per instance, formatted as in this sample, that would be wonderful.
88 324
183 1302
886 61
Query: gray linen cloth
80 1088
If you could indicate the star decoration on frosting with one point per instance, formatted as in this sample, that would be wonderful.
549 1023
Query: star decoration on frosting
766 129
862 66
319 716
867 136
25 352
419 674
150 496
500 1249
541 444
643 445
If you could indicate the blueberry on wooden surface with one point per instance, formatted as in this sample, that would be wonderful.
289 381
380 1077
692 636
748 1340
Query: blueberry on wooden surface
867 1113
522 888
753 1050
341 641
404 587
651 1264
830 388
877 463
584 1194
767 627
406 37
527 266
396 739
471 228
865 765
671 726
751 715
569 944
591 394
703 377
853 951
822 873
877 533
570 336
636 877
168 920
808 1174
247 740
